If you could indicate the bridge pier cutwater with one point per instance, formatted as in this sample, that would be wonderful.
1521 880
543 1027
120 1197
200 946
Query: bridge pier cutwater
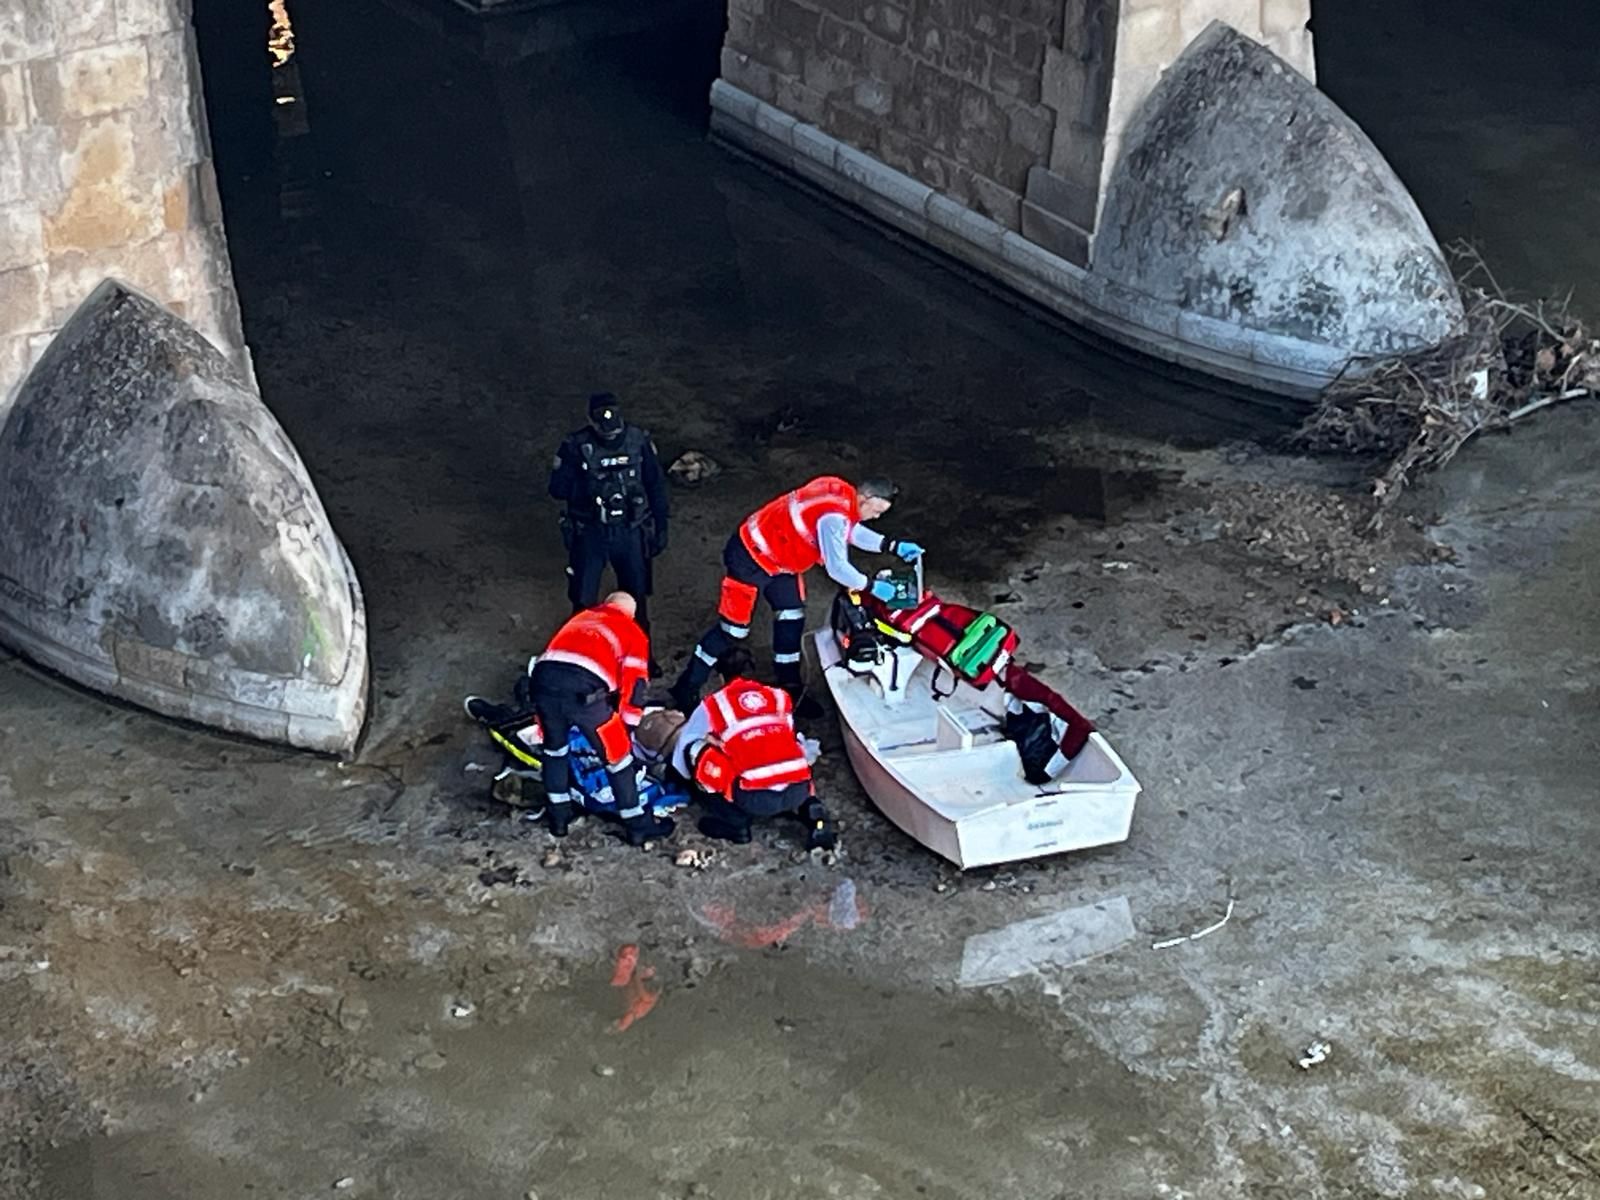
1164 173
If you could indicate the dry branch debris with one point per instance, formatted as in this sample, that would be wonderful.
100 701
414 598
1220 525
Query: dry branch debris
1416 411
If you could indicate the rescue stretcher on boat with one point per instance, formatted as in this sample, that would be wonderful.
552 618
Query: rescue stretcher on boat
943 729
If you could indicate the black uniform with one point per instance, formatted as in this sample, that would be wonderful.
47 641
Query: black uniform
617 509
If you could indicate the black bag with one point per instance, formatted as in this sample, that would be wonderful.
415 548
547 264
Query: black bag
1035 736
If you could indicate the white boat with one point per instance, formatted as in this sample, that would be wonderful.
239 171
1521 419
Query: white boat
940 768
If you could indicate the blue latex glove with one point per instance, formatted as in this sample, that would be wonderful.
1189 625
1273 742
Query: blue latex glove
909 551
882 589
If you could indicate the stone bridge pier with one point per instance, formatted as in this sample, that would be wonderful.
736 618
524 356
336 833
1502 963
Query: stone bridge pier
1162 171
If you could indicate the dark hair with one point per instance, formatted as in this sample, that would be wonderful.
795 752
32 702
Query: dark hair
735 663
877 488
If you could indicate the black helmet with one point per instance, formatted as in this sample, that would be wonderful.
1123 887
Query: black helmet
605 414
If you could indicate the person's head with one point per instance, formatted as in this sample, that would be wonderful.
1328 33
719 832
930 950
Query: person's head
622 602
605 416
735 663
874 496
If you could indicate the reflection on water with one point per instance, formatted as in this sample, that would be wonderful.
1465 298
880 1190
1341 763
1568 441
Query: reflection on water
280 41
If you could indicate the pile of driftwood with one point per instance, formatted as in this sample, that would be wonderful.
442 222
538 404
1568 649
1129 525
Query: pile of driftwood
1416 411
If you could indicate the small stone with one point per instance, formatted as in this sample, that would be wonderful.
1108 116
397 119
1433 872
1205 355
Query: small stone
348 1181
989 886
354 1013
431 1061
552 858
605 1072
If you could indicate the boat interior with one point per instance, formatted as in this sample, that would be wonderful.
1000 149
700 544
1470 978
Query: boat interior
944 737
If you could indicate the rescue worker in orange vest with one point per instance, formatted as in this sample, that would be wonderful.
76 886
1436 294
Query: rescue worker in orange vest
740 749
769 555
592 675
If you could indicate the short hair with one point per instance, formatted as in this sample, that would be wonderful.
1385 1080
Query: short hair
877 488
735 663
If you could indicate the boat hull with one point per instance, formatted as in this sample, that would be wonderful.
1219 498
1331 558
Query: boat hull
969 803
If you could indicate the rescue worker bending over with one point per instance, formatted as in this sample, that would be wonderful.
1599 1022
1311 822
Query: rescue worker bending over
608 476
592 675
740 750
769 555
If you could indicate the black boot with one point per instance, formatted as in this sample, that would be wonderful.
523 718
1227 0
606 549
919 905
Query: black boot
559 818
726 827
487 712
647 827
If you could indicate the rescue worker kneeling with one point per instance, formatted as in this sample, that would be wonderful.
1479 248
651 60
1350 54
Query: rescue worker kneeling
593 675
740 749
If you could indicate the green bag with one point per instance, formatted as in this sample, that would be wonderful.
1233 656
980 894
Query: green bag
979 645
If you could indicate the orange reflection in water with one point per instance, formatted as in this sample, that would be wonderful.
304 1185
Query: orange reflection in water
280 40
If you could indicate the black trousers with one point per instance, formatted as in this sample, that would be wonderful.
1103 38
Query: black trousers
753 804
595 547
783 593
565 696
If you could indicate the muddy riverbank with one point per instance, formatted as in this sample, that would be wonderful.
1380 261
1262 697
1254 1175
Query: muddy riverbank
227 970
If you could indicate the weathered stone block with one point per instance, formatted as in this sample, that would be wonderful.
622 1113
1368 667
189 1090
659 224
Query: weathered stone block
928 42
873 96
1028 44
21 236
85 23
984 22
27 29
746 74
1284 16
999 204
24 306
177 99
853 128
827 73
1030 127
1077 153
838 38
1151 36
101 80
890 63
796 22
848 11
39 152
13 366
106 204
1010 78
1061 238
10 168
966 60
159 266
1242 15
795 98
141 18
887 21
778 52
15 111
1070 199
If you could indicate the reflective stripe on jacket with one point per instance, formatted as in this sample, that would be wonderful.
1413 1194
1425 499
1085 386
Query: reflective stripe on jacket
609 644
781 535
754 726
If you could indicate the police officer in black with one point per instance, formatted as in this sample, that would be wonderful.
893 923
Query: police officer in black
608 476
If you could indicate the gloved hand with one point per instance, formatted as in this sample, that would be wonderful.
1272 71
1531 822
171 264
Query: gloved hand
658 540
882 589
909 551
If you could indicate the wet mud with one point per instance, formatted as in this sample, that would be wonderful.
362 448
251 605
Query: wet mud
231 970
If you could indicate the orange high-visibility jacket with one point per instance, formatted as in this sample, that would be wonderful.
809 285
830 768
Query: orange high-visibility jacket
752 740
781 535
609 644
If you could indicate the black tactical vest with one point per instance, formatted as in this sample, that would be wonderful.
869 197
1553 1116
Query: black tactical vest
611 487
